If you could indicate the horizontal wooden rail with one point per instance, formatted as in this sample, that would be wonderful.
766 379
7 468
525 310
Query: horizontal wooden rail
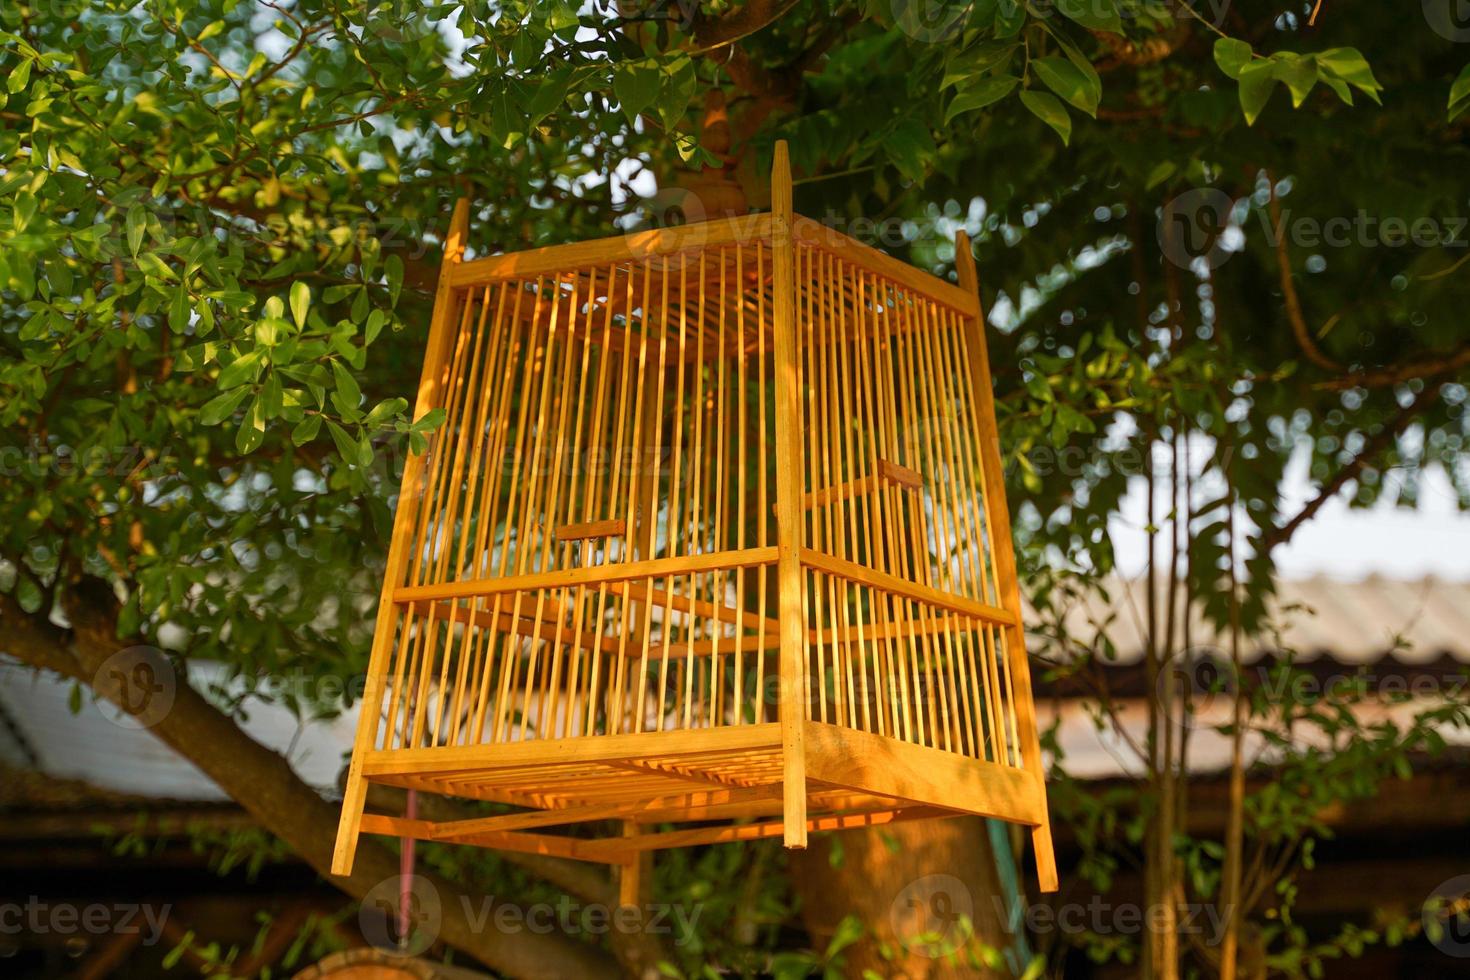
578 748
548 627
854 572
635 246
588 530
620 849
726 615
653 568
457 829
889 474
523 843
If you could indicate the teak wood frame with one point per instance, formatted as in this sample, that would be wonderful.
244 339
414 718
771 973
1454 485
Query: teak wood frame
904 574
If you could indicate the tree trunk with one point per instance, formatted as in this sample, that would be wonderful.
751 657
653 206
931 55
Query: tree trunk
911 885
263 782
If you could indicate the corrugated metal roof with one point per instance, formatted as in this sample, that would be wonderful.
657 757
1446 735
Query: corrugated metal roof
100 746
1356 622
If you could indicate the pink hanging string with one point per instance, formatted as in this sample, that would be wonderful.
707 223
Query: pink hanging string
405 872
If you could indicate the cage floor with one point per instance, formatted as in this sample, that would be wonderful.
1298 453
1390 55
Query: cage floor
730 777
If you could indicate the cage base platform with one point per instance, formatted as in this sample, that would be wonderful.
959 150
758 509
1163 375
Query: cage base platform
727 780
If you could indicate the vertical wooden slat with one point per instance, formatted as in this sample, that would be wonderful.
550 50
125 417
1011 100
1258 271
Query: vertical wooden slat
763 453
1005 561
355 790
788 506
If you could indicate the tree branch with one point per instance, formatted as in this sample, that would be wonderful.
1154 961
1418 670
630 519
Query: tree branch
1288 290
710 35
1381 441
263 782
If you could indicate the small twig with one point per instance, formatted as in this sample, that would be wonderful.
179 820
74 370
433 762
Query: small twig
1288 288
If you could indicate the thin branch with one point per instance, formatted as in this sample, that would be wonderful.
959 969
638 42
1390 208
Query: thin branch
1288 289
710 35
1381 441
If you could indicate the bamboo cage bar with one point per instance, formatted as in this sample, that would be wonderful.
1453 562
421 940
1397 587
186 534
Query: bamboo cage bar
713 535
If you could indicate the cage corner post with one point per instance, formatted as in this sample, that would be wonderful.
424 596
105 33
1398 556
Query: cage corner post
792 668
1008 584
354 795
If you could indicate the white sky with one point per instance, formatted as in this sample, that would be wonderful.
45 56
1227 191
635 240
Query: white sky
1340 543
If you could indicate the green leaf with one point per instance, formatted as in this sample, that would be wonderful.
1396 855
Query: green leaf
976 62
848 931
1161 172
269 330
1338 86
346 387
179 310
1256 82
1349 65
1298 73
1010 17
636 86
152 265
306 430
300 302
25 210
137 221
375 322
986 92
271 396
1459 101
1460 90
221 407
393 269
385 409
1049 110
346 446
1232 55
1068 81
676 90
252 430
242 369
910 147
19 76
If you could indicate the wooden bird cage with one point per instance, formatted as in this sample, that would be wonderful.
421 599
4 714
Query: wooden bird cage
713 535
